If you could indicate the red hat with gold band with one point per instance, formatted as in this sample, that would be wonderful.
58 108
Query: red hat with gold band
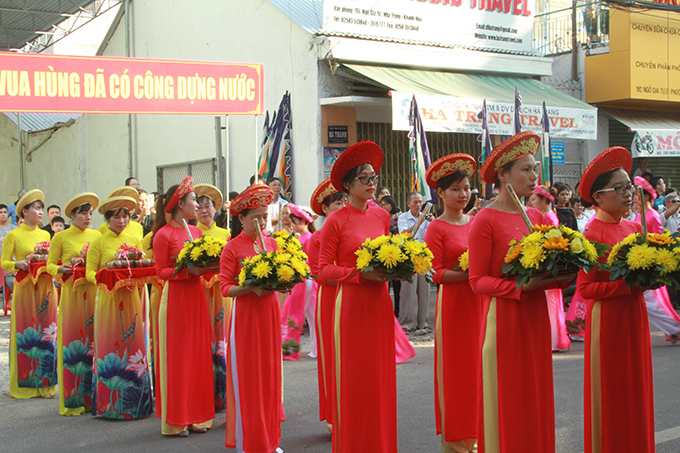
358 154
516 147
448 165
186 186
253 197
323 191
610 159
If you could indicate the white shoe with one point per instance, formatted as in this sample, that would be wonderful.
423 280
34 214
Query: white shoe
278 450
311 355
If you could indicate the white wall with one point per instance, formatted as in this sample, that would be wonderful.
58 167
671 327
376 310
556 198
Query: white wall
93 154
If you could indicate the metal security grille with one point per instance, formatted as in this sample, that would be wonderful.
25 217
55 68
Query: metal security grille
203 171
570 172
396 171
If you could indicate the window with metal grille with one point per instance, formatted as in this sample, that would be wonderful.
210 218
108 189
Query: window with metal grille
202 171
396 170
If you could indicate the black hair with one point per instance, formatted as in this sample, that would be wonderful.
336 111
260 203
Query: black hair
394 209
57 219
310 225
332 198
3 206
647 174
473 201
112 213
668 191
82 208
507 167
446 181
601 182
53 206
159 222
127 181
655 180
561 187
236 225
577 200
203 197
259 178
232 195
351 174
36 203
141 191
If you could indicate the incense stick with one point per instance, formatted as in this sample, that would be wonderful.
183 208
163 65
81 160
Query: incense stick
186 227
260 237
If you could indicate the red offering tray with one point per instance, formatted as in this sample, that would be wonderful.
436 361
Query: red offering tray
111 280
35 270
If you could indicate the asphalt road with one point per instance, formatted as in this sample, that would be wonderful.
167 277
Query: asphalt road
34 425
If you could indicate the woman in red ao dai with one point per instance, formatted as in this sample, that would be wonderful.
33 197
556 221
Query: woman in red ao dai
459 310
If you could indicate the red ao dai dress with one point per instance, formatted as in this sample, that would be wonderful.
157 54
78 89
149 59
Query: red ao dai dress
253 394
365 384
619 393
558 326
458 322
517 410
184 333
324 330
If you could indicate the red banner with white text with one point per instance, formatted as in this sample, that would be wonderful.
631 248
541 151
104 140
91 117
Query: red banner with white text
55 83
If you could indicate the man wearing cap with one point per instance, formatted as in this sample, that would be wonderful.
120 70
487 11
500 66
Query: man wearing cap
415 297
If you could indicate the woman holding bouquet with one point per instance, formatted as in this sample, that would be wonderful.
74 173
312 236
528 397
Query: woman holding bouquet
185 371
325 200
208 198
301 302
254 405
619 399
121 384
365 407
542 199
33 323
459 311
659 308
75 328
517 403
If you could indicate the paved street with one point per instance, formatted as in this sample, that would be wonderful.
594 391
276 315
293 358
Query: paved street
33 425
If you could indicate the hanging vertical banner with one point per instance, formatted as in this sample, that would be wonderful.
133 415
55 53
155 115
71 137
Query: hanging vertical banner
67 84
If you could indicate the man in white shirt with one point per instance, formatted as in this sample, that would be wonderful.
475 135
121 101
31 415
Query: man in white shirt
414 297
670 218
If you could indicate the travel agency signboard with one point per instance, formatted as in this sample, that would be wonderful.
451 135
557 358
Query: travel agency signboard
485 24
453 114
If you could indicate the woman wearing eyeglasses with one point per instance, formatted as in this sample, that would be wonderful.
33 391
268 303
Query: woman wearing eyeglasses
619 399
659 307
365 384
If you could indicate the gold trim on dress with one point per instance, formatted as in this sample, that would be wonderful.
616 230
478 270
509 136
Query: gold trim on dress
336 330
490 382
595 379
438 338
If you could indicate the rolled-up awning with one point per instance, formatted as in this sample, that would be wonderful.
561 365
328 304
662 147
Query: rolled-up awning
450 102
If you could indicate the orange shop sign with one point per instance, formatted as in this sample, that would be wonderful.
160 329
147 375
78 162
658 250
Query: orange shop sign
54 83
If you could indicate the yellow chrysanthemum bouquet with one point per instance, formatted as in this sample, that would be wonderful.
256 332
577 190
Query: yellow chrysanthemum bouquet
463 262
647 262
279 270
556 250
399 255
204 252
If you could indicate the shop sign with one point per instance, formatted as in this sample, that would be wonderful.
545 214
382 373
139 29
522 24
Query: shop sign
338 134
487 24
53 83
656 143
557 152
452 114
